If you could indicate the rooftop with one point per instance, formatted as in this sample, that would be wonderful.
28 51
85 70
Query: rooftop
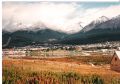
118 54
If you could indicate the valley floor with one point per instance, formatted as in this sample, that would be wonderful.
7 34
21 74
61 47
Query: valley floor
35 65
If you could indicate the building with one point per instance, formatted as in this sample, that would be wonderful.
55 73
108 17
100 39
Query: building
115 62
118 48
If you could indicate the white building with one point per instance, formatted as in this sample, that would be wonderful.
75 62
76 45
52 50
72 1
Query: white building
118 48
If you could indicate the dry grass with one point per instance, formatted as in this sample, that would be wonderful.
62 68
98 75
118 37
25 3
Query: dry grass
61 65
38 65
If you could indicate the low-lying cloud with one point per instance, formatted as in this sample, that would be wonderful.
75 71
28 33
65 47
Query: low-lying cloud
65 17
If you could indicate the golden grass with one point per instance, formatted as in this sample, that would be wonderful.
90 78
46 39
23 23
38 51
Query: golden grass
35 65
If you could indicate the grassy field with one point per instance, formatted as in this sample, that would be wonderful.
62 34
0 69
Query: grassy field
96 60
67 70
93 69
46 77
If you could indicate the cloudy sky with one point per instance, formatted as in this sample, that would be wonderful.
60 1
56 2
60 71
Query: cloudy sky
61 16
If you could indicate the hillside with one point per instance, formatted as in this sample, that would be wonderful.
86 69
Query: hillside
97 31
24 37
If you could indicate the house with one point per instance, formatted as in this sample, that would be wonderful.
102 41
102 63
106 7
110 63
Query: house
115 62
118 48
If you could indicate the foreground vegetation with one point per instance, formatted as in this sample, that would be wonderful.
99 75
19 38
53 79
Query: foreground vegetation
16 76
66 70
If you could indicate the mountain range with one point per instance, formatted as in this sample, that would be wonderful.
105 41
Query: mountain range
26 37
99 30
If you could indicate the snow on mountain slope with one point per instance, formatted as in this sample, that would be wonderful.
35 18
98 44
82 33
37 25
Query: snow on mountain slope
112 24
94 23
103 23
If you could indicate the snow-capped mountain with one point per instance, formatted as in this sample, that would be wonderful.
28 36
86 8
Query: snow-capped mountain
102 29
112 24
94 23
101 20
103 23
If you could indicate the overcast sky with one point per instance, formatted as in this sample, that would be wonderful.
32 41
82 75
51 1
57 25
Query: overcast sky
62 16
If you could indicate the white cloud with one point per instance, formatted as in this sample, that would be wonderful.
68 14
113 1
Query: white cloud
57 16
93 14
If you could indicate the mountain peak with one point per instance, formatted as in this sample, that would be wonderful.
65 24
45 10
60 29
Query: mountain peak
95 23
101 20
